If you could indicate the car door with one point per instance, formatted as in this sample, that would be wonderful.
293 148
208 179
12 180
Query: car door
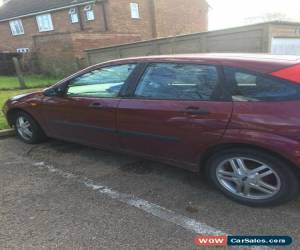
175 112
86 113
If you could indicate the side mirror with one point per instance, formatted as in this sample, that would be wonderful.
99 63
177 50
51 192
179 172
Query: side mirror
54 91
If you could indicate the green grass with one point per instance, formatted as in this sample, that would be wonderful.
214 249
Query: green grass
4 95
32 81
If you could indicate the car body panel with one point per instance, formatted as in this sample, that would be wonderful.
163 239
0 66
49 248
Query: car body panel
286 148
164 129
73 118
271 125
280 118
31 103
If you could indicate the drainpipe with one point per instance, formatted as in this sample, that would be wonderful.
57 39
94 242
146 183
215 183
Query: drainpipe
104 15
153 18
79 18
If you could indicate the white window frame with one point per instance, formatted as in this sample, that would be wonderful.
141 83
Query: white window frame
89 13
134 11
16 27
44 22
74 18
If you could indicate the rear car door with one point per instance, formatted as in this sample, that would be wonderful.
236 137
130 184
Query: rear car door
175 111
86 113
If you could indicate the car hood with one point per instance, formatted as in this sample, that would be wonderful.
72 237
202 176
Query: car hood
23 97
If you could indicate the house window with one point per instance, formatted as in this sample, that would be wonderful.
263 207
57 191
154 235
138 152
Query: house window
134 9
73 15
44 22
89 13
16 27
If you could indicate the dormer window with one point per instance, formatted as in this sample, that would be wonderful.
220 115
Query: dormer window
73 15
16 27
89 13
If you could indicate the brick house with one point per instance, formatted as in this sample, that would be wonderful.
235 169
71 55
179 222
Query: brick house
58 31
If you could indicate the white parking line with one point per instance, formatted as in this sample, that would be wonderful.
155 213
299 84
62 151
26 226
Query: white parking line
156 210
12 162
148 207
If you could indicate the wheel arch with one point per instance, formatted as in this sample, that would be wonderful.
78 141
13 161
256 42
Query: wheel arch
218 148
11 116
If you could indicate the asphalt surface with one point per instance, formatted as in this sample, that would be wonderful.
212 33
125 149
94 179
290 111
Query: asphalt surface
49 199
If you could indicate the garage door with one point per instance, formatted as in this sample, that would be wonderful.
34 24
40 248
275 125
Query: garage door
286 46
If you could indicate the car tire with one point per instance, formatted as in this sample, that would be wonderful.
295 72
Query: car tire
27 129
275 184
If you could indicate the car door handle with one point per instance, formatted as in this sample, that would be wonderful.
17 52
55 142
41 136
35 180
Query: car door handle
196 111
98 105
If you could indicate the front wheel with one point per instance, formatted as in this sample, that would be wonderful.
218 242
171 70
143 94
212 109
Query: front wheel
27 129
252 177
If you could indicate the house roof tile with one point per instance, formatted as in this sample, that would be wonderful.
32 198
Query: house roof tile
18 8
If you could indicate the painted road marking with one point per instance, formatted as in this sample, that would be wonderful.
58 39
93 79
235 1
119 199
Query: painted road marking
148 207
156 210
12 162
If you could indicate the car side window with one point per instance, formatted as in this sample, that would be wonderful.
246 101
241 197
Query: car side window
247 86
104 82
178 81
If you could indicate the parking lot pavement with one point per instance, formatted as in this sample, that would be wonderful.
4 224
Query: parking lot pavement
67 196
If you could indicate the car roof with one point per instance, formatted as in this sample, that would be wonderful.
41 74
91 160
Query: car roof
263 63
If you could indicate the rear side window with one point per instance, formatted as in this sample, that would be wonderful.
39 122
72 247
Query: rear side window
177 81
246 86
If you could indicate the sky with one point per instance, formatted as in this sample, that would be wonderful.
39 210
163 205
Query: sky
230 13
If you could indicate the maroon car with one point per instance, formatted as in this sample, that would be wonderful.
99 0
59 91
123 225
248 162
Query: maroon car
235 117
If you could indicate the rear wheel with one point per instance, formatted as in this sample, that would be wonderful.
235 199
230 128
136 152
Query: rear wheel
27 129
252 177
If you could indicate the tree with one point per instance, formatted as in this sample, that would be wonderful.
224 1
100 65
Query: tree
19 73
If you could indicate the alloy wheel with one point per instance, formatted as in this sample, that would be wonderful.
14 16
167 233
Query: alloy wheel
24 128
248 178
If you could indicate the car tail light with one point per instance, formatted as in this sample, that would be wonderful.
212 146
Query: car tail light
291 73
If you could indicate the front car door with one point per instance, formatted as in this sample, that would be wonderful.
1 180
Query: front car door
86 113
175 112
